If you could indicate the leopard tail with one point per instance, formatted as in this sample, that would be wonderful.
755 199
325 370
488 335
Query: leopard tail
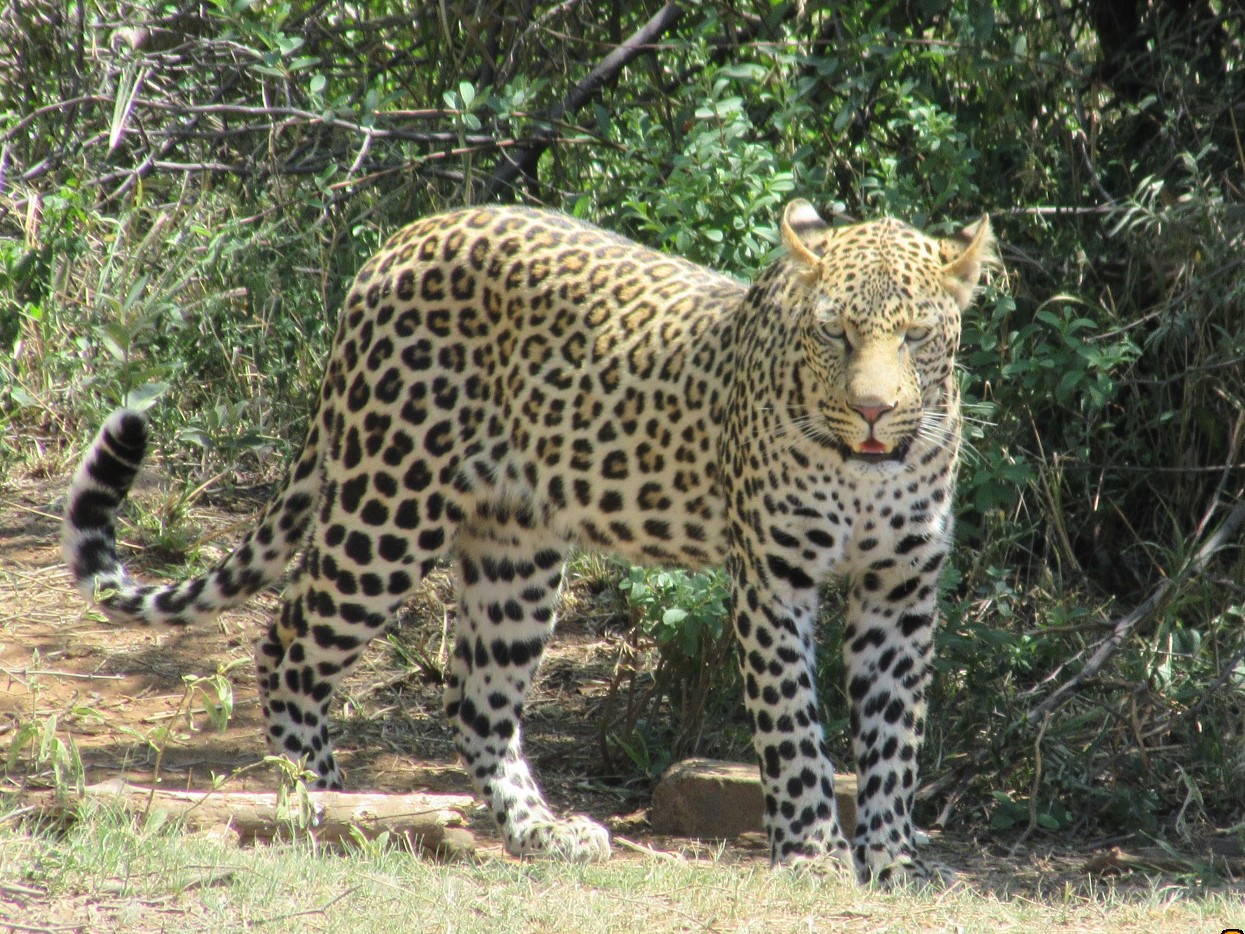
89 544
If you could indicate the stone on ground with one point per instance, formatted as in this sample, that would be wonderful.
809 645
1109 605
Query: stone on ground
709 798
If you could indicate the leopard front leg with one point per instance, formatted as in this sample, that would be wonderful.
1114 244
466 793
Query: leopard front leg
888 649
774 612
510 574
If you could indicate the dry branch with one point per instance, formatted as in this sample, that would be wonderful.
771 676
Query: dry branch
193 102
1125 624
434 824
522 162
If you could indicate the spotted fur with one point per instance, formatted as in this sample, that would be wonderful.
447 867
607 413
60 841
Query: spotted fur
505 383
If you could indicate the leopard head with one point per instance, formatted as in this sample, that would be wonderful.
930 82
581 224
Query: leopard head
879 307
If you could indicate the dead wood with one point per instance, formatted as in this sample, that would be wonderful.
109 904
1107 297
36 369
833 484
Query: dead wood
1123 626
431 824
521 161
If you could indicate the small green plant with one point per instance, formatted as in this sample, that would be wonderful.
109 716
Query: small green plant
683 617
1015 812
294 804
371 847
215 691
47 749
683 613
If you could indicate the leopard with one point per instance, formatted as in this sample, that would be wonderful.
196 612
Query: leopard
506 384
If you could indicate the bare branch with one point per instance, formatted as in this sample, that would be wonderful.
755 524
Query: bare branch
523 162
1126 624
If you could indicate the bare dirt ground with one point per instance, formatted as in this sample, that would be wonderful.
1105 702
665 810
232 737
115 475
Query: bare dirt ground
112 688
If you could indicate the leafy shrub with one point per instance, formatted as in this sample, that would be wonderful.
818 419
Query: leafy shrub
671 707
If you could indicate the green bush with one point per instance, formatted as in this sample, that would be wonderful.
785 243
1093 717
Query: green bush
678 705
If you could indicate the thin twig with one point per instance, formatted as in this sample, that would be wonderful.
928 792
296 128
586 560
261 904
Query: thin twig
38 929
625 844
1148 469
1125 624
1056 210
1036 784
310 911
9 818
48 672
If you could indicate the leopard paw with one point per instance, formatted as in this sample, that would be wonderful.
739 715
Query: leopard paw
832 858
906 871
833 864
574 839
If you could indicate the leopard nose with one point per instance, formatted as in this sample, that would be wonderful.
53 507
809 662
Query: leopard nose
871 409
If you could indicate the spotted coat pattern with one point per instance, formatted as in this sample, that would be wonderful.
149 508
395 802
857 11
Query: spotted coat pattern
505 383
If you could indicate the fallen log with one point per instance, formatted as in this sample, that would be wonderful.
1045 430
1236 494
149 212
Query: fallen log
429 824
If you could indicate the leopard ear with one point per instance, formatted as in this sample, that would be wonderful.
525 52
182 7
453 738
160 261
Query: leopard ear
798 220
965 257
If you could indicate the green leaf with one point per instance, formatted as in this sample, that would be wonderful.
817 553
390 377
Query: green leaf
145 396
22 397
674 616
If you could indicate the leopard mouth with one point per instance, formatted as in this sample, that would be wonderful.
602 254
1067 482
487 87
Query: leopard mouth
872 452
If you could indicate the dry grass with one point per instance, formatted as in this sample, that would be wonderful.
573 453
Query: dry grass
106 876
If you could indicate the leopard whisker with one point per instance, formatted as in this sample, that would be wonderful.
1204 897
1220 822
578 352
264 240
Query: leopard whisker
937 428
790 432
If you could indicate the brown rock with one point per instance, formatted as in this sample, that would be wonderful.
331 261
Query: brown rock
708 798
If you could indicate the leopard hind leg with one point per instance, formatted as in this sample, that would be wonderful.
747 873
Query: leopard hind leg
331 611
510 577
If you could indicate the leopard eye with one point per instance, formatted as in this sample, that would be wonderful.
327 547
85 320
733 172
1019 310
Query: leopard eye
834 332
917 334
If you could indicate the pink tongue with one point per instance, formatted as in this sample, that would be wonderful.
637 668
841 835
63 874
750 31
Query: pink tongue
873 446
